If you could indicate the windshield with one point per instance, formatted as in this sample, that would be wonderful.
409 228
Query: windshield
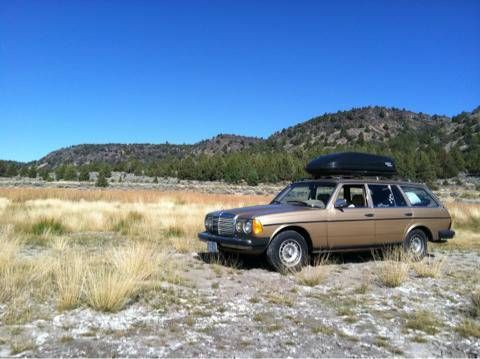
313 194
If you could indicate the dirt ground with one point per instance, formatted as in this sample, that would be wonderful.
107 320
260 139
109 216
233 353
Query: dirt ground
244 309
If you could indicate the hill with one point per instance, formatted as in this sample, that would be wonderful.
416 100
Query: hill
425 147
114 153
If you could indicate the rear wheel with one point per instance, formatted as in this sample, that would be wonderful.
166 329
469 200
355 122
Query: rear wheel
288 251
415 244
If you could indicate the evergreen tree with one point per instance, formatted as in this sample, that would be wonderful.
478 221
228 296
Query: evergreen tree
84 175
101 180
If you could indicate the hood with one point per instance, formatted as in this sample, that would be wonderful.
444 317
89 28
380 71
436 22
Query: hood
263 210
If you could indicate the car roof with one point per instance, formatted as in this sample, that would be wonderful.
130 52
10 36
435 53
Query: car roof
361 180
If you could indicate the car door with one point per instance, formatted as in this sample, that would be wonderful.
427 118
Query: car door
392 214
352 226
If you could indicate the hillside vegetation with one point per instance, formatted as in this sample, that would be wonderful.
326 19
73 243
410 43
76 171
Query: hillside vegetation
425 148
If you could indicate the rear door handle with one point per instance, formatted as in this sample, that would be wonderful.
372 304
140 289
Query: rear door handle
369 215
409 214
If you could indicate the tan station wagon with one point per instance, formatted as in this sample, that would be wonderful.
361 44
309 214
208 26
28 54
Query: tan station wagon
332 214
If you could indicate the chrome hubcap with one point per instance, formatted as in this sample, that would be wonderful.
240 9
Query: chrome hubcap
416 245
290 253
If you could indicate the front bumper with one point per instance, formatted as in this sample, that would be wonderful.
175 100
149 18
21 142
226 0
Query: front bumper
250 245
445 234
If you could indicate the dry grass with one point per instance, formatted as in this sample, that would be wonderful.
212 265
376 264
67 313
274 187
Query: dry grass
21 195
139 260
424 321
142 225
468 328
108 290
70 278
393 270
314 275
172 219
429 267
475 303
464 240
465 215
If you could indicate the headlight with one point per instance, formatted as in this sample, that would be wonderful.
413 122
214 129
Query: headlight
208 222
239 226
247 227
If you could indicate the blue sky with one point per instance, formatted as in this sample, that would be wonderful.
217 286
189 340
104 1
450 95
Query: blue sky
180 71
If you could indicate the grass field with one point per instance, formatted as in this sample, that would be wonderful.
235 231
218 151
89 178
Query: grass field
102 249
97 248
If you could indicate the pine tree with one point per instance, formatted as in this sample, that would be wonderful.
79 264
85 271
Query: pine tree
101 180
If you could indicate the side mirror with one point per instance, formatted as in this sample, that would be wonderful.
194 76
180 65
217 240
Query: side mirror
341 203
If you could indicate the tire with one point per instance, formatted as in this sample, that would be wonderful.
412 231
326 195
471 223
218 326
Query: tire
415 244
288 251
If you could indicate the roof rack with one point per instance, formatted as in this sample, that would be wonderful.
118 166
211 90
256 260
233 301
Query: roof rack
377 178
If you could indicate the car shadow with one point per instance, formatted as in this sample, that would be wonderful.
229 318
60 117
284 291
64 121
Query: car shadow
248 262
235 260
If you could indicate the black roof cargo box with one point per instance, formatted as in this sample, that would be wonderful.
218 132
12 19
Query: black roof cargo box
351 164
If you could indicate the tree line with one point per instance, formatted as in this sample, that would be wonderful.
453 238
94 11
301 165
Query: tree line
420 157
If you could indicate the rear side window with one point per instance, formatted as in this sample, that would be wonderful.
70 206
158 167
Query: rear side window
382 196
419 197
399 199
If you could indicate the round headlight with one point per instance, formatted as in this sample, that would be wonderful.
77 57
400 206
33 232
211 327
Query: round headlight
247 227
208 222
239 226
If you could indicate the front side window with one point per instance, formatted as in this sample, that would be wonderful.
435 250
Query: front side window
354 194
314 194
382 196
419 197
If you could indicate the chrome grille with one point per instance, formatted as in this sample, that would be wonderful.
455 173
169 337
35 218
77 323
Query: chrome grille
224 224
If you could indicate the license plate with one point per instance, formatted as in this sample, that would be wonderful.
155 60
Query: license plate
212 247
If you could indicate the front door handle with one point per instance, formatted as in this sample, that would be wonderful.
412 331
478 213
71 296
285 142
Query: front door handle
369 215
409 214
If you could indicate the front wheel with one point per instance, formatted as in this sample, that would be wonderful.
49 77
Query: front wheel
288 251
415 244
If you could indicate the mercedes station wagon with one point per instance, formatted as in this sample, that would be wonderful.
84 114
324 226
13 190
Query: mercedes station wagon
351 203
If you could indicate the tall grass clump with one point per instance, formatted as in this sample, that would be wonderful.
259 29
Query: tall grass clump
127 223
314 275
392 270
138 260
69 278
47 226
108 290
429 267
475 303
